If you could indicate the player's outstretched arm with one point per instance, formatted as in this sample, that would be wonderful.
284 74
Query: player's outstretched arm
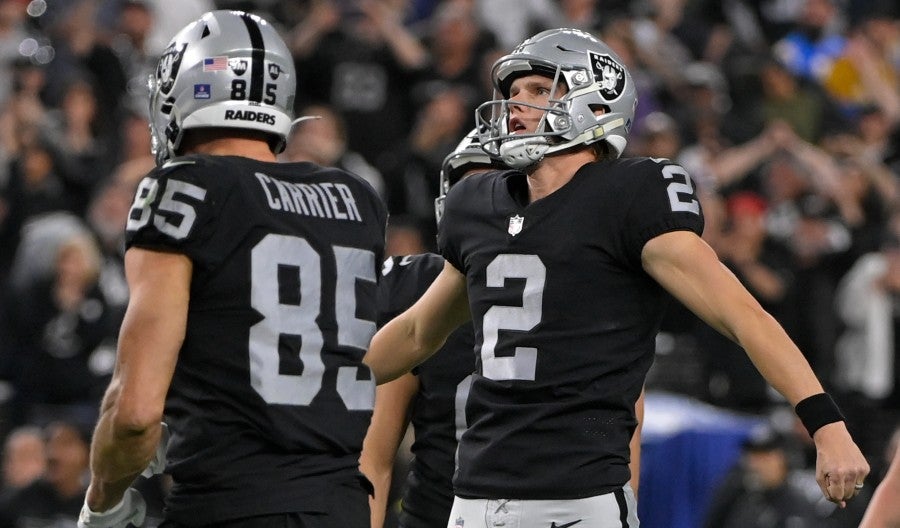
128 432
389 421
884 508
635 464
411 337
689 269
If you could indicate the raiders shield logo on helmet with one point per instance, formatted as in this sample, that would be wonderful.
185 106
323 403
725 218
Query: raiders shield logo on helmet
609 74
167 69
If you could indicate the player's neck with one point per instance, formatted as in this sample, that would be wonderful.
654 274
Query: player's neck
229 146
553 172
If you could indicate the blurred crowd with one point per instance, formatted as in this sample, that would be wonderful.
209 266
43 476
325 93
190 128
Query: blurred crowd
784 112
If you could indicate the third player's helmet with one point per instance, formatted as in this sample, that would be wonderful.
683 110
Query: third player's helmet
228 69
467 156
595 78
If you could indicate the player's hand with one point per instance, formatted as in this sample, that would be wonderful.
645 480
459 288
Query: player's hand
131 509
841 468
158 464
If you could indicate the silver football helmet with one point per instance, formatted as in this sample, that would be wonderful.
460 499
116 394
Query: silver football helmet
595 79
467 156
227 69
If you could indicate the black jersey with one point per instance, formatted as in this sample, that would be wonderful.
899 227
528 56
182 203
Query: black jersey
438 411
565 322
269 401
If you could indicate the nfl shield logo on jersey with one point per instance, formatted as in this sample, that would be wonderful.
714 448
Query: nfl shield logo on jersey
515 224
459 522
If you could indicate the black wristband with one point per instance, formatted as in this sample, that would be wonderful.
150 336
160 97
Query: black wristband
818 410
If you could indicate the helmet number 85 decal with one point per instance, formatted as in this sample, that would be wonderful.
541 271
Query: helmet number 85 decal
239 91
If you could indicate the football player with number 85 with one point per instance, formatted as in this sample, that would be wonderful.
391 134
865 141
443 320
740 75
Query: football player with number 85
252 301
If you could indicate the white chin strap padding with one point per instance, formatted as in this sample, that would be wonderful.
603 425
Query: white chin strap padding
524 152
617 143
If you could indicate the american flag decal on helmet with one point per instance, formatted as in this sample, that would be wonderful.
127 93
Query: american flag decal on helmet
215 64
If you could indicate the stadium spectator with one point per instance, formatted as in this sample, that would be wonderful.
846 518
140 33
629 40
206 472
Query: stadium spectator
58 325
760 492
321 138
56 497
360 59
811 47
24 458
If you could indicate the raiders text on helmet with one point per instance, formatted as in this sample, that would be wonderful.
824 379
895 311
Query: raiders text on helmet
227 69
595 79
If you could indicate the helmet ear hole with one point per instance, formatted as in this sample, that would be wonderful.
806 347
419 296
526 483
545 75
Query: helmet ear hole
599 109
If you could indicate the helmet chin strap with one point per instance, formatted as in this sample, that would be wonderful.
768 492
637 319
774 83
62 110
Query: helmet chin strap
521 153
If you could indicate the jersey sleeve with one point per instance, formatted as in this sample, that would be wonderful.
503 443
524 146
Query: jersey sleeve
173 210
664 200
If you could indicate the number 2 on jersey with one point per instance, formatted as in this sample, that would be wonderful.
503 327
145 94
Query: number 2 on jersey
679 189
521 365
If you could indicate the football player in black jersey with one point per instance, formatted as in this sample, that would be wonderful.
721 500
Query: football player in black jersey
432 397
253 299
563 269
